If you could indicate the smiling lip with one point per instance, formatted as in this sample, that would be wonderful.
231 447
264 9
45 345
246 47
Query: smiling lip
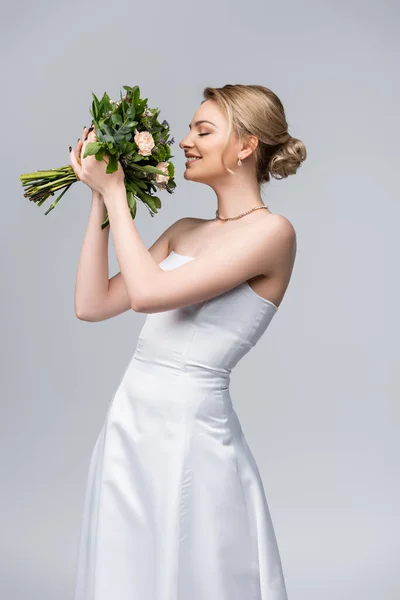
188 162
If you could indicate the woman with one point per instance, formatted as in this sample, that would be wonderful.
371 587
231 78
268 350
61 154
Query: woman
175 507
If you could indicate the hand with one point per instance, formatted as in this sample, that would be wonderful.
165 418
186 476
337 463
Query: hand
91 171
78 148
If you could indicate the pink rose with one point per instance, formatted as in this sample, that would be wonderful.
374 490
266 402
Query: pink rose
145 142
163 166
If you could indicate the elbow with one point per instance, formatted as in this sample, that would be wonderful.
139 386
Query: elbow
80 315
78 310
138 305
84 316
139 308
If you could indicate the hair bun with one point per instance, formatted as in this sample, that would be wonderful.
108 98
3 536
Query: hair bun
287 159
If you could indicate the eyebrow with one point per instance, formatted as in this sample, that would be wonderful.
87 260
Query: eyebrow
203 121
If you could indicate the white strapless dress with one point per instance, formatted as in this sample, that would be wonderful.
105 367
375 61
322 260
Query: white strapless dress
175 507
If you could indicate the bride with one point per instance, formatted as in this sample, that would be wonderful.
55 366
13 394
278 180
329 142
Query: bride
175 507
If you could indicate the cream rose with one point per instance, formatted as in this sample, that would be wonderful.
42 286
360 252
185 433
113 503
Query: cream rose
145 142
163 166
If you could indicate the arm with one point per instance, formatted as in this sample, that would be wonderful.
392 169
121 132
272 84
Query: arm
92 276
150 289
116 300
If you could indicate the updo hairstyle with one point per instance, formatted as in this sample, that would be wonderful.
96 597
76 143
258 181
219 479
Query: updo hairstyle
256 110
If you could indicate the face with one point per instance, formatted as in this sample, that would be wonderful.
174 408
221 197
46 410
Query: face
206 140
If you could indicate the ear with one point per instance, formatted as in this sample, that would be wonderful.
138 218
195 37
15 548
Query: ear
249 145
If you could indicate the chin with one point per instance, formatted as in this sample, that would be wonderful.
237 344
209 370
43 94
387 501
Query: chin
186 175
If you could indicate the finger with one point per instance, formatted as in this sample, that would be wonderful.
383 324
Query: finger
78 148
91 137
75 164
84 134
92 128
78 151
89 130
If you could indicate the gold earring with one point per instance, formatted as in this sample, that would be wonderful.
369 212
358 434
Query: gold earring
239 162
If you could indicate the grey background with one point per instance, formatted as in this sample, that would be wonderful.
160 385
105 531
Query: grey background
318 396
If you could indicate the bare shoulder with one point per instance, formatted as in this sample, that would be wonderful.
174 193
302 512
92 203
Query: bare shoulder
280 223
280 244
183 228
187 223
280 229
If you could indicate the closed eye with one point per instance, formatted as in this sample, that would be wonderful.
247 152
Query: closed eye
204 134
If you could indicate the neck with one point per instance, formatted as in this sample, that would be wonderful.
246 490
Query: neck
236 195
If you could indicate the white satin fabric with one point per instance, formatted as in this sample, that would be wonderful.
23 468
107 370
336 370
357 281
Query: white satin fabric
175 507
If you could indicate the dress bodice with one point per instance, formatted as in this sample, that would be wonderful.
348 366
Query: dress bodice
213 335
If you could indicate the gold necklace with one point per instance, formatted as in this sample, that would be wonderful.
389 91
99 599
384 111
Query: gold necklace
238 217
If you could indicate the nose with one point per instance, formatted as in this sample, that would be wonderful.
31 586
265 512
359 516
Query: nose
182 144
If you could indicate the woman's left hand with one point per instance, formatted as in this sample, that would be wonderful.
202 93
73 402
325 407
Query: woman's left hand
93 172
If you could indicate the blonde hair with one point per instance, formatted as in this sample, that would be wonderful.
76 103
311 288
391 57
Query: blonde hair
256 110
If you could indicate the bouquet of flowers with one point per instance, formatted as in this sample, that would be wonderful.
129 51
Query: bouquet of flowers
129 132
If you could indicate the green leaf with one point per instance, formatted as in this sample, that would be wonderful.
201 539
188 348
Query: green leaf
92 148
131 200
122 105
105 104
112 165
96 106
105 223
141 184
99 135
131 111
152 201
135 158
149 169
123 130
116 119
100 154
108 130
161 154
121 143
129 186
